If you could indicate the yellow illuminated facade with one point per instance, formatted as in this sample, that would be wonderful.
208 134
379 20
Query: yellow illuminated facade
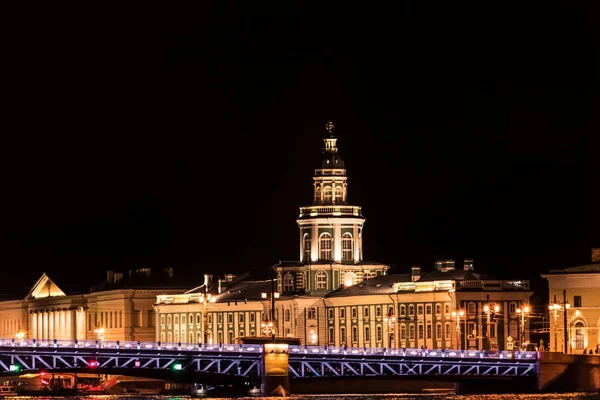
332 297
111 312
573 294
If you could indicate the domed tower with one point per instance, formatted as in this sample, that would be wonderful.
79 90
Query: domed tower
330 229
330 234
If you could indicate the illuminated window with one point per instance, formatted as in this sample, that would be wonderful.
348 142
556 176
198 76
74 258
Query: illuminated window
321 280
327 194
307 243
347 247
337 193
325 246
471 308
288 282
579 335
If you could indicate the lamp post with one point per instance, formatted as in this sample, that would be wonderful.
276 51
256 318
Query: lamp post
390 318
490 311
458 315
205 299
556 306
99 334
269 325
20 335
522 312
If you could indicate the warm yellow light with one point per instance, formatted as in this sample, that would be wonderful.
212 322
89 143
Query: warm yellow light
461 313
20 335
497 308
276 294
518 311
526 309
577 313
567 306
486 308
263 295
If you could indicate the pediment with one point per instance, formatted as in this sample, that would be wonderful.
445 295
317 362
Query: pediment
43 288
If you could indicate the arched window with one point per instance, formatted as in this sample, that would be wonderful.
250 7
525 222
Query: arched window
402 310
162 337
198 318
252 318
176 319
337 194
325 246
411 332
162 319
411 309
342 312
354 334
286 314
241 318
169 319
321 280
379 333
327 195
288 282
366 276
343 335
471 308
191 339
318 194
579 335
347 247
198 337
306 247
312 313
170 337
366 312
367 333
402 332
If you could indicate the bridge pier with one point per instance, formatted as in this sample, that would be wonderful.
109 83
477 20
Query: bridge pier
558 372
275 379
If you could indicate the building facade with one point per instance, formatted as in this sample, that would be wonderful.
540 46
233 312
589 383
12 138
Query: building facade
574 309
332 297
121 308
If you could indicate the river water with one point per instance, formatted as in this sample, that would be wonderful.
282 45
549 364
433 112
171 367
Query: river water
398 396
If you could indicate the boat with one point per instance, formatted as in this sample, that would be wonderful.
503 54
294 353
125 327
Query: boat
201 390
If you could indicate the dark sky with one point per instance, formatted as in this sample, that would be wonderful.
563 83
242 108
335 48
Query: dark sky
141 134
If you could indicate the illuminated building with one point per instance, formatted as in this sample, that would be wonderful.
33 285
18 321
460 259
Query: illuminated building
574 299
121 308
331 296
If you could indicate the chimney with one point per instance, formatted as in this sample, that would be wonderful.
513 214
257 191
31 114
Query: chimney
447 265
220 288
118 276
468 264
168 271
416 273
110 276
207 279
438 265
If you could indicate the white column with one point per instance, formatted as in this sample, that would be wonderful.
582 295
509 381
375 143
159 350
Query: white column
39 333
314 242
68 323
73 313
337 242
356 244
50 324
32 326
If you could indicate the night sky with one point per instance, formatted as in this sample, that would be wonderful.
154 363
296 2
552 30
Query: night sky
151 134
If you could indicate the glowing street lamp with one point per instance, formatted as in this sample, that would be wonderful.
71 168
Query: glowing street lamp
313 336
522 312
390 318
458 315
268 326
100 334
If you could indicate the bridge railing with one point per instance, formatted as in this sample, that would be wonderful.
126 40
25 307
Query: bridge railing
257 348
117 344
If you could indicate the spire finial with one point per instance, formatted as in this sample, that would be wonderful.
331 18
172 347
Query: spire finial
329 126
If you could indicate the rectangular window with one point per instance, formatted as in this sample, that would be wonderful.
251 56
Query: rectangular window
577 301
402 332
428 331
420 331
493 330
151 319
428 309
448 331
471 331
137 318
419 310
438 331
331 333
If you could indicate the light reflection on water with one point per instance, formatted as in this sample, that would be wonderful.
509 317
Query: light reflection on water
398 396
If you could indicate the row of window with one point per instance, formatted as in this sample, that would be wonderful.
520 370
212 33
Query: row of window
326 246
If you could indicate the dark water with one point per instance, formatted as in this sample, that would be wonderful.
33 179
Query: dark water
398 396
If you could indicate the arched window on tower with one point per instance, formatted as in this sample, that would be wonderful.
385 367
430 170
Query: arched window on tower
337 195
579 335
327 195
321 279
288 282
347 247
325 246
306 247
318 194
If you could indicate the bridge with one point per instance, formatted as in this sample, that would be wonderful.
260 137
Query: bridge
238 363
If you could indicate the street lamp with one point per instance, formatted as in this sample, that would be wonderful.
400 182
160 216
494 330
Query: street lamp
313 336
100 334
269 324
390 318
490 311
556 306
522 312
20 335
205 298
458 315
